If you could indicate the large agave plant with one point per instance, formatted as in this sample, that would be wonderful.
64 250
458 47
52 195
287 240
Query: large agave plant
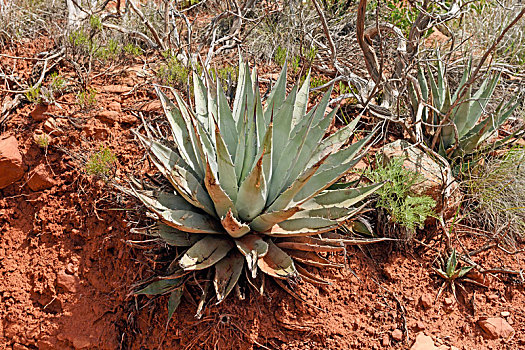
252 186
465 111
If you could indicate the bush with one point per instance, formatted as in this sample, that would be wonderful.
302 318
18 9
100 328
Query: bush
405 211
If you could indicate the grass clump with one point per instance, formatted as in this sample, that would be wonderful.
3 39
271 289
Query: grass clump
101 162
496 191
174 72
42 141
403 208
87 98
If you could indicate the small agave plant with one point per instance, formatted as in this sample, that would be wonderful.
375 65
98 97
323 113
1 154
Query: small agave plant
465 109
253 187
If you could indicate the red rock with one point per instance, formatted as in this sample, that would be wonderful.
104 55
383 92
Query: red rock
38 113
115 106
40 179
496 327
492 297
45 345
385 342
449 301
51 127
68 282
153 106
11 165
128 119
108 117
426 301
420 326
423 342
397 335
116 89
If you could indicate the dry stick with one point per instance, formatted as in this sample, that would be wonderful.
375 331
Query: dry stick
472 78
148 24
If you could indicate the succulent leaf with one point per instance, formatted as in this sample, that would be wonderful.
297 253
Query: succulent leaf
227 273
277 263
252 247
234 227
205 253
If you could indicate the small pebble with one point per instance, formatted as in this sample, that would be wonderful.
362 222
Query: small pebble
397 335
505 314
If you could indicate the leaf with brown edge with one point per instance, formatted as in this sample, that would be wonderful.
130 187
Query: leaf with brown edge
227 272
310 277
205 253
220 199
311 258
265 222
234 227
277 263
253 248
311 244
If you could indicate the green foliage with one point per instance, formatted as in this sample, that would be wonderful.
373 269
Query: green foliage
33 94
310 54
251 185
453 274
95 23
101 163
459 111
57 82
110 51
173 72
280 56
79 38
132 49
318 81
401 14
42 140
397 198
87 98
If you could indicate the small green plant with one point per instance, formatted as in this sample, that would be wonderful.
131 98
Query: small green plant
33 94
78 38
404 208
101 162
452 274
280 56
110 51
174 72
57 82
495 190
87 98
42 140
132 49
401 14
318 81
310 54
95 23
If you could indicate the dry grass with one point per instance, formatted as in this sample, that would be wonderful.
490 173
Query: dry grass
496 191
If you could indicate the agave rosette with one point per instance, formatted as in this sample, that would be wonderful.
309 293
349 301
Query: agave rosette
467 113
252 186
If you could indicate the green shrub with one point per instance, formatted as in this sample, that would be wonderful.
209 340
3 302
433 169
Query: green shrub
87 98
404 207
101 163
